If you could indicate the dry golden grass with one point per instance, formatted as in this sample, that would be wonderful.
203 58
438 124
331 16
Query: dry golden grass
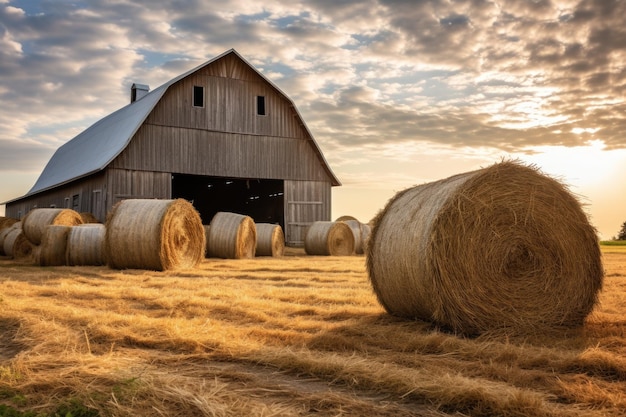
291 336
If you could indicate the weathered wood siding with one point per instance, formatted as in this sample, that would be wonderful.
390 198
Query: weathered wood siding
201 152
125 184
305 202
84 195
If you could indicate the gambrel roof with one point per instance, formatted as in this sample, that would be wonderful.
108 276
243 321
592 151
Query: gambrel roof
96 147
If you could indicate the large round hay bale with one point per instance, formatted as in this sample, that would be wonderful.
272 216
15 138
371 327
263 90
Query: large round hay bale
270 240
6 225
17 245
329 238
85 245
504 247
53 245
36 221
232 236
154 234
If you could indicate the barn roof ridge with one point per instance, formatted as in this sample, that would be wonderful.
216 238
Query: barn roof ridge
97 146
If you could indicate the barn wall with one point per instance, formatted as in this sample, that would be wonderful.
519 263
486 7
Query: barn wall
125 184
84 195
305 202
200 152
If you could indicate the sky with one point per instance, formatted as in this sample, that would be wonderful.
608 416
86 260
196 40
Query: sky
397 93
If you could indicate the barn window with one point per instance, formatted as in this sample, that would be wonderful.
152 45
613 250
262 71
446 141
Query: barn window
260 105
198 96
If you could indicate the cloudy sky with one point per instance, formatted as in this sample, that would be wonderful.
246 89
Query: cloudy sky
396 92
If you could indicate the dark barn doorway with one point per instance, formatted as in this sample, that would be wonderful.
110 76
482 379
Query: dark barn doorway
263 200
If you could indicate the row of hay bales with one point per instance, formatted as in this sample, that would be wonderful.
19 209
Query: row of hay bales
141 234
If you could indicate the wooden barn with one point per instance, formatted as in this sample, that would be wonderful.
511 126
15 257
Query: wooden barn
222 136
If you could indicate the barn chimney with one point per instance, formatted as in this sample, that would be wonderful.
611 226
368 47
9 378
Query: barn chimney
137 91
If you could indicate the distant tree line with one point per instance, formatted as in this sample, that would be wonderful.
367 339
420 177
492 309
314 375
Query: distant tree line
621 235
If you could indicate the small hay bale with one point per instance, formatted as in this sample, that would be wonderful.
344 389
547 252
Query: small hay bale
366 231
270 240
53 246
6 225
36 221
233 236
17 245
329 239
154 234
355 227
85 245
504 247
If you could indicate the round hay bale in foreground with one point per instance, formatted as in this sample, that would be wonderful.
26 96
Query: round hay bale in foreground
329 238
270 240
232 236
366 231
85 245
53 246
154 234
17 245
6 222
503 247
36 221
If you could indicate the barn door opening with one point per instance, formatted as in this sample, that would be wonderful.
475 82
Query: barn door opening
261 199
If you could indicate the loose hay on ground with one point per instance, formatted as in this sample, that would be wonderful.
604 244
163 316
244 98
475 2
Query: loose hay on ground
501 247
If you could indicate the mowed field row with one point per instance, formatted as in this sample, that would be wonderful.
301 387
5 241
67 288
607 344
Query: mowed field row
291 336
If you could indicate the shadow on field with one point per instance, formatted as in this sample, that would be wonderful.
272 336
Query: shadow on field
9 329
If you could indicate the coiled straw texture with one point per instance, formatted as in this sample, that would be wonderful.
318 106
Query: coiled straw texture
85 245
154 234
270 240
231 236
329 239
504 247
36 220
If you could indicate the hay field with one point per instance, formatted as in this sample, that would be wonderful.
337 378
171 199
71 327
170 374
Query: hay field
292 336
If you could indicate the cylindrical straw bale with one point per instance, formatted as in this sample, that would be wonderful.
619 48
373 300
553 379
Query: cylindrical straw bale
85 245
53 245
329 238
6 226
366 231
232 236
270 240
17 245
36 221
355 227
154 234
207 231
504 247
